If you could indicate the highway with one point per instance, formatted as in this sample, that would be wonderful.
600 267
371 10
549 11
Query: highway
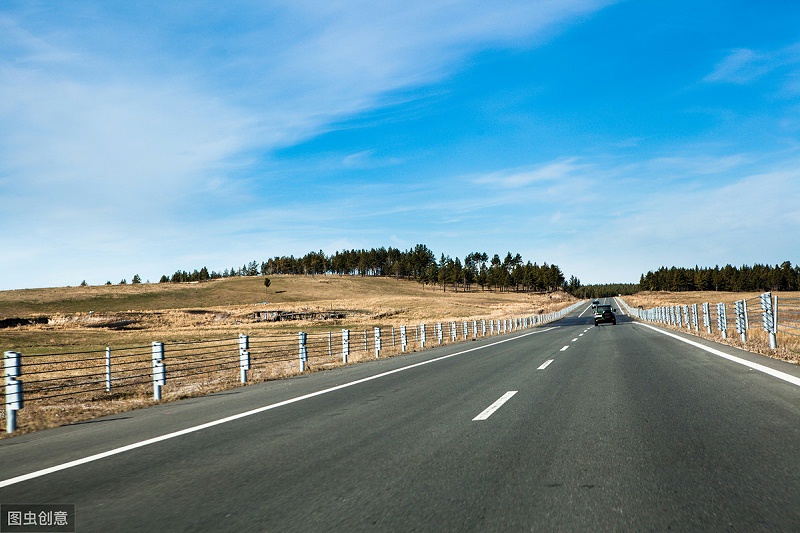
567 427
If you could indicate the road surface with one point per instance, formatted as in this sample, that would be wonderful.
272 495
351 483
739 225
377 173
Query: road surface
567 427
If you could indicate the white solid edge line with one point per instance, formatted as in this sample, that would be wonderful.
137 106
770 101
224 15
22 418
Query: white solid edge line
545 364
193 429
755 366
489 411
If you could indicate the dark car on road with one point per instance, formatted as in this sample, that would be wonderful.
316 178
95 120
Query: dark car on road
604 314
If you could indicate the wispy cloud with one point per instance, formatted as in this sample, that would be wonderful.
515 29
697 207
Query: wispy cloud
743 65
549 172
369 159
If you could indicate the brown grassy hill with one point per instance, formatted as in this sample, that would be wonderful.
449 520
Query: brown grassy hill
112 315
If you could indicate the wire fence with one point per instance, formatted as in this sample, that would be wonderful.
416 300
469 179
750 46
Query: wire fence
43 381
762 321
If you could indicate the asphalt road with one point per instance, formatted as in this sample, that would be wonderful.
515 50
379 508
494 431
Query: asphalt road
603 428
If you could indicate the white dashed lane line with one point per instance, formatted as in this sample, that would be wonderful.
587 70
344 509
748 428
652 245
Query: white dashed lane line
489 411
545 364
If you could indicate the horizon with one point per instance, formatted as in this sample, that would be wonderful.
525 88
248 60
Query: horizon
608 138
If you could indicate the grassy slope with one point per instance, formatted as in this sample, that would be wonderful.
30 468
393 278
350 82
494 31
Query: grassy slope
173 311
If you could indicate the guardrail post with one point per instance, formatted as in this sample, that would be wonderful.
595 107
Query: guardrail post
453 332
422 335
159 370
706 317
302 342
768 318
393 343
403 339
244 356
330 344
13 392
775 320
439 333
741 316
746 318
378 343
695 321
722 322
345 345
474 329
108 369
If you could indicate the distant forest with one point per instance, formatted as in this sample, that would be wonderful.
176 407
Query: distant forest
604 290
419 264
783 277
511 273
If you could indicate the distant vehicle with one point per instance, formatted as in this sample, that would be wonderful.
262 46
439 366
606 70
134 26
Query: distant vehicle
604 314
595 304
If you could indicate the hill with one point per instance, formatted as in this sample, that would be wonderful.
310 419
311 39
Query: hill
90 317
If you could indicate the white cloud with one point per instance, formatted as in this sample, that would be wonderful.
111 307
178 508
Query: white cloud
742 65
368 159
563 169
693 166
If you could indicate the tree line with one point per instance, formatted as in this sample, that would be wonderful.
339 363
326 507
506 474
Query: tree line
510 273
604 290
783 277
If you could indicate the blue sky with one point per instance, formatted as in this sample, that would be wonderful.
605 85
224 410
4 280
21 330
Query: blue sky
610 138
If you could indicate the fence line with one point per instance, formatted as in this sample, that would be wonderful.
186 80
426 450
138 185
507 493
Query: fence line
761 320
134 372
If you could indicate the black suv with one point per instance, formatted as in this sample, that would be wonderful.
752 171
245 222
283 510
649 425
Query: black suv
603 313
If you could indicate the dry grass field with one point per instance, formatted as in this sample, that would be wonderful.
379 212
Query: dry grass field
88 318
128 318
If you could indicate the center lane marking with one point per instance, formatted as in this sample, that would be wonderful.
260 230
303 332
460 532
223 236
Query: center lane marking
489 411
564 348
545 364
